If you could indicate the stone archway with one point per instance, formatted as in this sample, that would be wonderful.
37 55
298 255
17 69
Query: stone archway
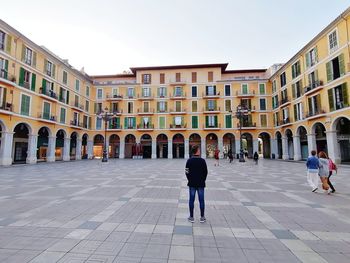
264 145
114 146
146 143
178 146
229 144
130 141
343 138
320 135
43 144
289 145
247 144
73 146
84 148
278 137
98 146
21 147
304 147
60 144
162 146
211 142
194 139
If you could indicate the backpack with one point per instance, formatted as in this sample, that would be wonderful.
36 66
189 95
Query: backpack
332 165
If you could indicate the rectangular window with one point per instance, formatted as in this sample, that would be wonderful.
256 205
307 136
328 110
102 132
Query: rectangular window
194 91
263 104
210 76
162 106
297 89
130 122
298 111
98 123
2 40
285 115
311 57
115 107
244 88
161 121
194 106
246 103
314 105
130 92
335 68
178 77
194 77
210 105
76 100
283 79
178 106
210 90
99 94
146 78
146 92
63 115
162 92
49 68
28 56
146 106
77 85
333 41
262 89
274 86
161 78
178 92
194 122
98 107
3 68
263 120
275 103
296 69
130 107
211 121
87 105
228 121
63 95
227 90
65 77
338 97
25 104
228 105
87 91
46 110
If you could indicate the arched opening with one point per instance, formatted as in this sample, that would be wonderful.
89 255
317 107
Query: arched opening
20 143
264 145
304 149
130 140
84 152
98 146
247 144
229 144
343 138
321 140
162 146
146 144
60 135
178 146
212 144
1 139
195 139
290 146
114 146
73 146
43 144
279 145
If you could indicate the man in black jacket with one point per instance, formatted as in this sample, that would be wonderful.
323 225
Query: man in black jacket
196 173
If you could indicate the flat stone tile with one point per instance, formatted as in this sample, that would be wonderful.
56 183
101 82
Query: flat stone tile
48 257
90 225
182 230
181 253
283 234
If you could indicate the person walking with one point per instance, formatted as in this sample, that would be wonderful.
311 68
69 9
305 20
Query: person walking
256 157
323 170
196 172
312 165
216 157
332 167
230 155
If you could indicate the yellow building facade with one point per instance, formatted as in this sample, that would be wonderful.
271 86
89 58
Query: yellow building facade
50 111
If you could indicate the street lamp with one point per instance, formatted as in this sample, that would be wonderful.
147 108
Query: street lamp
106 116
241 112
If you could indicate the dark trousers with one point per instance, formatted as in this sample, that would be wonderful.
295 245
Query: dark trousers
329 182
192 191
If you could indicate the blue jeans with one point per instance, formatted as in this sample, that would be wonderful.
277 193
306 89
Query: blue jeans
192 192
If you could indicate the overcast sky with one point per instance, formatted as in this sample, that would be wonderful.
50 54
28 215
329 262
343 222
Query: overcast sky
109 36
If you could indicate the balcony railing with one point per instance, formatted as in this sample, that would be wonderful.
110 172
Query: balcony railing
211 95
314 85
249 124
143 111
114 126
212 127
315 113
181 95
3 74
145 96
177 111
46 116
76 123
245 94
143 126
48 92
78 106
178 127
210 109
114 97
284 101
6 106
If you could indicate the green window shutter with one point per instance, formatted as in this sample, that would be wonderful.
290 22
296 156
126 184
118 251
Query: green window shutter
125 122
166 106
194 122
21 77
4 97
34 59
307 58
6 68
23 52
53 70
117 121
293 71
46 113
316 54
95 107
161 122
67 99
134 122
345 95
228 121
8 43
214 89
60 94
295 112
182 121
158 106
43 86
45 65
310 104
262 89
216 121
33 82
158 92
25 105
206 121
341 64
329 71
330 100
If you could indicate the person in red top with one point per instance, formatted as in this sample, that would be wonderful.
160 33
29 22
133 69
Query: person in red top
216 156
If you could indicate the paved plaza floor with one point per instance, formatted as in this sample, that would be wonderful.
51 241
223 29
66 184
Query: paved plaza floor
136 211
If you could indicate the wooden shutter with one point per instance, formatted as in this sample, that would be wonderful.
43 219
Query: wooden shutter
210 76
330 100
158 108
295 112
4 98
309 100
45 66
34 59
307 58
293 90
126 123
33 82
341 64
195 122
216 121
8 43
228 121
117 121
43 86
345 95
316 54
23 52
162 78
215 89
178 77
194 77
53 70
67 99
6 68
21 77
134 122
206 121
166 106
329 71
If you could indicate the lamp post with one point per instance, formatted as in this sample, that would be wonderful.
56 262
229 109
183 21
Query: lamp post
106 116
241 112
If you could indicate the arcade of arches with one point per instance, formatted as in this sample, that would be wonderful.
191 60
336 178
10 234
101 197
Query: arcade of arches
23 145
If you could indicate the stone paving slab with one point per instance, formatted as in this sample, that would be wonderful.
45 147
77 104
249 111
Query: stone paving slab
136 211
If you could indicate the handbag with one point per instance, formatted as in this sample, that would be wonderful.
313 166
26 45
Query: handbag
325 185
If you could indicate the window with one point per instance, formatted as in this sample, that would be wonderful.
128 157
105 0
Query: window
211 121
283 79
210 90
335 68
194 122
275 102
162 106
210 76
2 40
63 95
178 77
194 77
99 94
298 111
333 41
338 97
63 115
98 107
27 79
146 106
274 86
285 115
28 56
25 104
87 105
146 92
161 78
146 78
178 91
85 121
263 120
194 91
130 107
76 100
296 69
228 121
162 92
178 106
284 96
262 89
228 105
211 105
247 103
276 121
227 90
263 104
194 106
130 123
314 105
130 92
178 121
49 68
115 107
297 89
87 91
75 118
65 78
311 57
77 85
3 68
46 110
244 88
98 123
161 122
